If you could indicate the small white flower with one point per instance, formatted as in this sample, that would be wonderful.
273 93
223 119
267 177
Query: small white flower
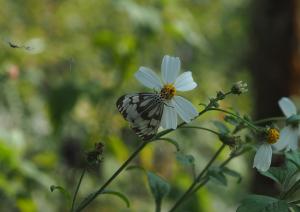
263 156
289 135
168 86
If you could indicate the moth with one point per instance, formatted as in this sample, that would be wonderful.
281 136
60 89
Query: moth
143 111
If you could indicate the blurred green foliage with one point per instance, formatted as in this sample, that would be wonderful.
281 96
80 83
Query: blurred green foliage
58 94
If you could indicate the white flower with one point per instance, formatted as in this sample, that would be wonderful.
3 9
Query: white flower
289 135
263 156
168 86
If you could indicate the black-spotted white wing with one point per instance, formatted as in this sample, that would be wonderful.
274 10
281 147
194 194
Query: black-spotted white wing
143 111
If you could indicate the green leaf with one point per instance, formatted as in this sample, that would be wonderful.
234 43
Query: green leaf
281 175
185 160
217 175
158 186
118 194
294 157
259 203
296 208
61 190
92 196
232 173
221 127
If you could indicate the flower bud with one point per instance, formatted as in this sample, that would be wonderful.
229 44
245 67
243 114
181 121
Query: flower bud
94 156
239 88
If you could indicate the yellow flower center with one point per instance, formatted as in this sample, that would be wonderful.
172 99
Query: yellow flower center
273 136
168 91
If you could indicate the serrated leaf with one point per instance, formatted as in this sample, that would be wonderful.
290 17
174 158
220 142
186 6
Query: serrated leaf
293 156
233 174
223 129
158 186
259 203
61 190
281 175
185 160
118 194
218 176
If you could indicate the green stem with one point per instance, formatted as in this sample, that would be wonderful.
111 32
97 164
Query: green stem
202 128
77 189
262 121
123 166
158 206
244 120
233 155
199 186
198 178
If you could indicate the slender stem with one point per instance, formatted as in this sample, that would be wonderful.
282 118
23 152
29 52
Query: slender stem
196 181
202 128
199 186
244 120
262 121
123 166
233 155
158 206
77 189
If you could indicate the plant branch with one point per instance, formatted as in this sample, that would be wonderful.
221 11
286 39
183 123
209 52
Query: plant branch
242 119
198 178
202 128
123 166
133 155
77 189
222 165
266 120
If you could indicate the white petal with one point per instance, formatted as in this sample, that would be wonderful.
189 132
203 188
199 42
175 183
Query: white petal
263 157
292 142
285 134
169 117
184 108
148 78
287 106
185 82
170 68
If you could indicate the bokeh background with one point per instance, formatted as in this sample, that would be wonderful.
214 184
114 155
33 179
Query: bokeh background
58 92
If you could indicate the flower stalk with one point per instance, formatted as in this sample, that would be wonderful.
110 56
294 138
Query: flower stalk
197 180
